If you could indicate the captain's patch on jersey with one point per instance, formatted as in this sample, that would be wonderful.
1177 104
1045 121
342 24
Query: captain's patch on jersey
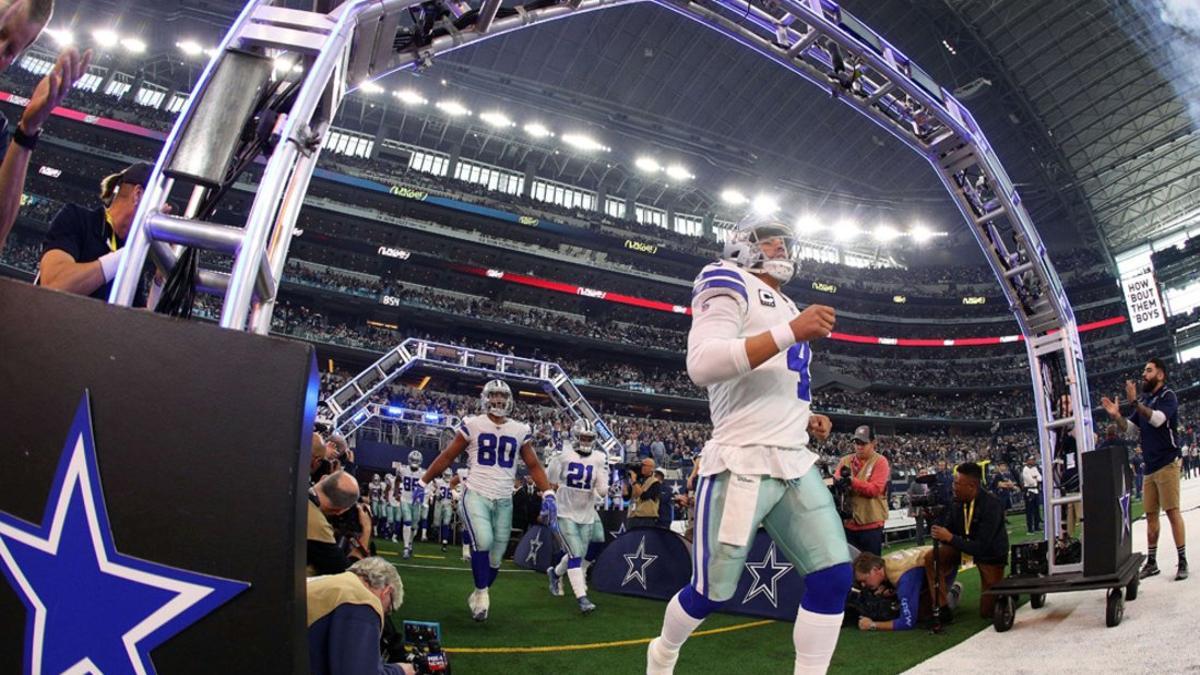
767 298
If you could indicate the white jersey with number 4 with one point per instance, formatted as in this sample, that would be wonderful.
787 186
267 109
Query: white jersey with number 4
580 479
760 416
493 451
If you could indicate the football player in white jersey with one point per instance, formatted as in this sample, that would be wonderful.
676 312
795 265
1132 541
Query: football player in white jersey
375 490
749 346
580 474
410 504
443 506
492 442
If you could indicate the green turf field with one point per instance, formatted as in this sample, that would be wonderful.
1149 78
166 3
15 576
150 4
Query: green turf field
524 616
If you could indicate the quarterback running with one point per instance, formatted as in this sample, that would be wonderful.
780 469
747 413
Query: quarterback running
492 442
749 346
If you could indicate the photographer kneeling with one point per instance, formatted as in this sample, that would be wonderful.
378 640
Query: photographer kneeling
890 590
346 613
976 527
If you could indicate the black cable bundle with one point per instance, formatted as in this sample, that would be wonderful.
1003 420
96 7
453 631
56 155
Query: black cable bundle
179 290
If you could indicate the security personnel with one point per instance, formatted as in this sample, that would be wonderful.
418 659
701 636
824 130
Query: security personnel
345 619
869 473
82 250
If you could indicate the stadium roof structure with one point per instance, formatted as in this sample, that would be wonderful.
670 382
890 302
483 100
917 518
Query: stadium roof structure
1092 105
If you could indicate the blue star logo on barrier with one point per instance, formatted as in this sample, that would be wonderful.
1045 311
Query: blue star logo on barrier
1126 524
90 609
765 577
639 561
534 546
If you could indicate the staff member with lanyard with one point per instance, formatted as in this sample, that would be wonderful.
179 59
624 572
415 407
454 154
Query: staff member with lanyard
82 250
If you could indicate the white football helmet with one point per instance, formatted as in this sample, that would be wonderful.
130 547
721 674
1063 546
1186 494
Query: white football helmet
414 459
743 247
583 432
496 399
447 474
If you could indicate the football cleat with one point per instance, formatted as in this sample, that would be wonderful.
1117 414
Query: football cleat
555 582
407 552
586 606
478 602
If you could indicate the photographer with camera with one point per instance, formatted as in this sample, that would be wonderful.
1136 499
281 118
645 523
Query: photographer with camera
975 527
864 475
645 489
346 614
889 591
333 496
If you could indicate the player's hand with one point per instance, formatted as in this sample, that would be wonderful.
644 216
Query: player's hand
549 514
1113 408
418 493
54 87
941 534
864 623
1131 390
814 323
819 426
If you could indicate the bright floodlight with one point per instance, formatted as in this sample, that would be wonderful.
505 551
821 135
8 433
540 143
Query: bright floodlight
807 224
583 142
920 234
647 164
210 52
497 119
61 36
765 205
453 108
846 230
370 88
133 45
679 172
410 97
190 47
105 37
885 233
733 197
537 130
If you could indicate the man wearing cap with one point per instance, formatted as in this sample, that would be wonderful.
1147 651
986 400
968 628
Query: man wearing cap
868 480
81 251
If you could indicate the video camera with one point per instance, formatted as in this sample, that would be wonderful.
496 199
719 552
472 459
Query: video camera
843 496
929 506
419 645
874 606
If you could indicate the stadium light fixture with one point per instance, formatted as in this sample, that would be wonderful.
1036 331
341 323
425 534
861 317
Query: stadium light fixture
410 97
679 172
846 230
106 38
210 52
920 233
647 164
537 130
807 224
453 108
733 197
765 205
61 36
190 47
497 119
370 88
584 142
885 233
134 45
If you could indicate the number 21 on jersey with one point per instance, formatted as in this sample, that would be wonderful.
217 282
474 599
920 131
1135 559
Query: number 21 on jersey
579 476
798 357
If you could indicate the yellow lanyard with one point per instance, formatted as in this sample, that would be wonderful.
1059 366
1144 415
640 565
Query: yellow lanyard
968 514
112 240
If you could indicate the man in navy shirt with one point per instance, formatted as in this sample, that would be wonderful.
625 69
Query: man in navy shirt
81 251
1156 414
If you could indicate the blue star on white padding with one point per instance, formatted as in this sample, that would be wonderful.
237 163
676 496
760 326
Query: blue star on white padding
765 577
535 545
638 561
90 609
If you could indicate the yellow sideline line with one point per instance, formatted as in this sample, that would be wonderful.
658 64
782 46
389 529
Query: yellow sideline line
594 645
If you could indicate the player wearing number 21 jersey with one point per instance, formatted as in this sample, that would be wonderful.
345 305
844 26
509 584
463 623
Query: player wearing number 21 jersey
581 473
750 346
492 442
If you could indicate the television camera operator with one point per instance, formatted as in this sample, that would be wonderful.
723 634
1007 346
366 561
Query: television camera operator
975 526
645 489
890 593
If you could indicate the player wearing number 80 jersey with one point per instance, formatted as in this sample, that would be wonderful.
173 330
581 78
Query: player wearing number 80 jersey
492 442
750 347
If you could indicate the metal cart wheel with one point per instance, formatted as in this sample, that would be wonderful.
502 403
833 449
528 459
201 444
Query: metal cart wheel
1037 600
1004 613
1116 608
1131 590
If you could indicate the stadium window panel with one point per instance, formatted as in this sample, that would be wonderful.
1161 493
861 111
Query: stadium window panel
117 89
89 82
614 207
176 103
369 149
36 65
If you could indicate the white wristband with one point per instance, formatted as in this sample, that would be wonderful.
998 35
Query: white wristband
109 263
783 336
